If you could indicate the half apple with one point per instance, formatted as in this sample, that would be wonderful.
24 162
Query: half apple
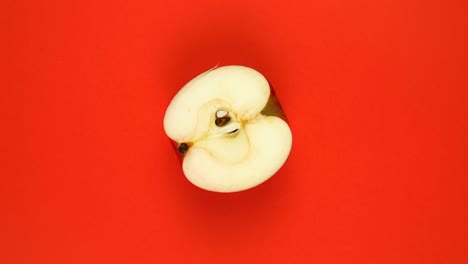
221 123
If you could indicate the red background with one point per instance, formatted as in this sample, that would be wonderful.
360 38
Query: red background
375 91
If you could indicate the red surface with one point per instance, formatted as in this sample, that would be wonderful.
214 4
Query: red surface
376 93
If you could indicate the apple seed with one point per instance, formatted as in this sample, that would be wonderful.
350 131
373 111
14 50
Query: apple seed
183 147
222 118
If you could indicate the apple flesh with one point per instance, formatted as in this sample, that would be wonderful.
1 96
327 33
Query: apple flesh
229 128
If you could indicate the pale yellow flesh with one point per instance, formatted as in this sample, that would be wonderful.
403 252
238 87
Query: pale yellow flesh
220 159
236 87
267 145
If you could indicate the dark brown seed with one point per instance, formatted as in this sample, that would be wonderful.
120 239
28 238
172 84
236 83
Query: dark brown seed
183 147
222 121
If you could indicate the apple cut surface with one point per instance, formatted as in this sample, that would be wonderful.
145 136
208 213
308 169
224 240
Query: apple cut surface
217 120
